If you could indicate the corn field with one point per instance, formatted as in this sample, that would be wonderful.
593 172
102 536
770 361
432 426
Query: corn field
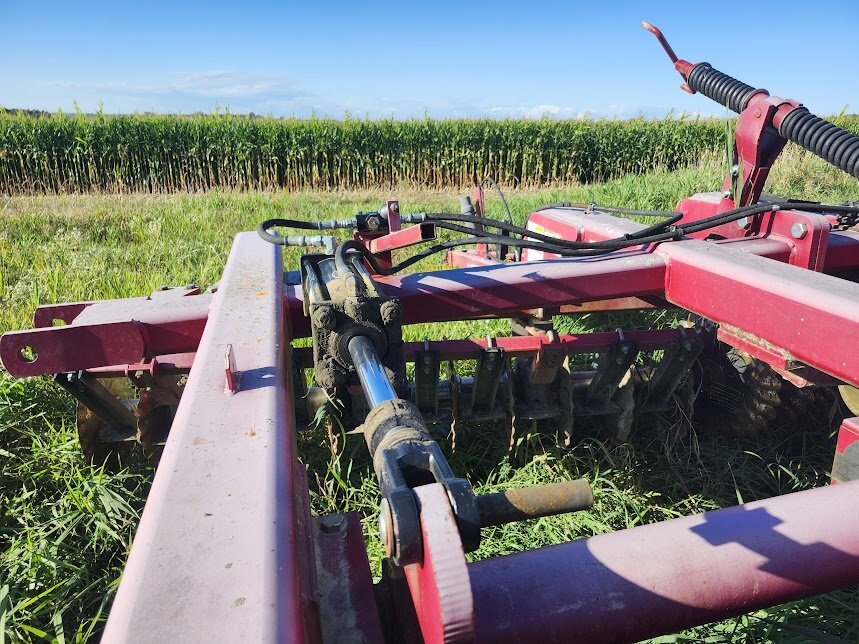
62 153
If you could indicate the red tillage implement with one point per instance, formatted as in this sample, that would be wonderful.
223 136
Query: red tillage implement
227 549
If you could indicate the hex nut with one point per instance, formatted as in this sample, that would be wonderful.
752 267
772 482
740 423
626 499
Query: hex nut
798 230
743 223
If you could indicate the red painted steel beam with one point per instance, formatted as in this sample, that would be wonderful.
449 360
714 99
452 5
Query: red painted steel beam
129 331
660 578
47 314
402 238
468 293
783 309
842 254
468 258
109 333
809 316
221 548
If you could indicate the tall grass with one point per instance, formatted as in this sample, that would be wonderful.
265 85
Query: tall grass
79 153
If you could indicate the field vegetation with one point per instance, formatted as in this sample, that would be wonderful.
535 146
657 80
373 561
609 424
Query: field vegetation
150 153
66 525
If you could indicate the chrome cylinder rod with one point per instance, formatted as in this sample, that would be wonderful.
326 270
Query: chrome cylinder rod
374 381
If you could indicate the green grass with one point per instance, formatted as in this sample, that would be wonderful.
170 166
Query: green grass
65 526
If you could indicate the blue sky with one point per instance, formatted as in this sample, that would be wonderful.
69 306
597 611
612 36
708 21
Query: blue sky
396 59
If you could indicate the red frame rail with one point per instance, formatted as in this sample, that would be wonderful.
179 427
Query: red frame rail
780 311
222 552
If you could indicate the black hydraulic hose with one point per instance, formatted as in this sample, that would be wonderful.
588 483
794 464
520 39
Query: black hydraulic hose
662 225
828 141
580 249
524 232
725 90
563 247
342 262
264 228
663 231
831 143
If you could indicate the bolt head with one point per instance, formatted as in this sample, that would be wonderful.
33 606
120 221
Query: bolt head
324 317
743 223
374 223
332 523
390 311
799 230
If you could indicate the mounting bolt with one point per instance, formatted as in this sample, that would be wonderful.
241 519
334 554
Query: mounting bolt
332 523
390 311
324 317
374 223
799 230
735 170
743 223
352 308
386 529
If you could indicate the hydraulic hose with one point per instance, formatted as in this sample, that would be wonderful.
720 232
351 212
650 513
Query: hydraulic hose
831 143
828 141
725 90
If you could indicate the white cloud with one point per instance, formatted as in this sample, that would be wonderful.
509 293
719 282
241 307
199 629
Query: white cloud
540 111
279 95
619 111
218 84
